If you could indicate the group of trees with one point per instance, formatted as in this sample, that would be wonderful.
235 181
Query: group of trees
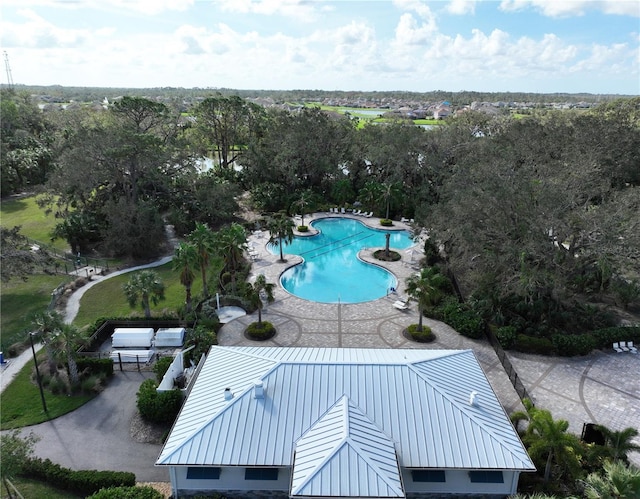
531 215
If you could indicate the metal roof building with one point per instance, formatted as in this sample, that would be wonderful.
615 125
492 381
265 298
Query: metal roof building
322 422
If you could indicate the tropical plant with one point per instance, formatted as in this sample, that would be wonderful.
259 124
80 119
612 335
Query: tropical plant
426 288
45 324
548 438
202 238
185 260
304 201
281 231
65 342
619 443
255 292
390 191
231 242
618 482
518 416
144 287
15 451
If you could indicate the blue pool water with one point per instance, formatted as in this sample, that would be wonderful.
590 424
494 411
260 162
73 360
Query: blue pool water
331 271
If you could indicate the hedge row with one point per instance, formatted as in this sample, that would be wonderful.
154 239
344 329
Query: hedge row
142 492
83 482
158 407
569 345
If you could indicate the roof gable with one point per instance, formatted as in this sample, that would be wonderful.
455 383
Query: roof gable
345 439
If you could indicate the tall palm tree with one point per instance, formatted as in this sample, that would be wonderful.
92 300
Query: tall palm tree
390 190
619 443
426 288
45 324
231 242
549 437
144 286
185 261
203 239
281 231
66 340
255 291
303 202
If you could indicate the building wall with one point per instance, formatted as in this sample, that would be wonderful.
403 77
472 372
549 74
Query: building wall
458 482
232 483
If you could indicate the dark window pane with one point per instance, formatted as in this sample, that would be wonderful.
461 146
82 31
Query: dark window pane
203 473
428 475
486 477
261 474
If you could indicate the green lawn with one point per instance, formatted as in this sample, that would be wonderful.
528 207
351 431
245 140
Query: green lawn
19 301
22 405
34 489
34 223
108 300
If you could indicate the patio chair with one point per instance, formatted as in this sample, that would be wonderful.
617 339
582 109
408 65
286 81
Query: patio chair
616 347
400 305
357 212
369 215
342 210
631 347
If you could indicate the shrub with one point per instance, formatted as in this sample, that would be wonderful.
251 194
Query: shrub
95 366
460 317
161 366
385 222
569 345
303 228
92 384
424 336
158 407
143 492
507 336
82 482
532 344
605 337
260 331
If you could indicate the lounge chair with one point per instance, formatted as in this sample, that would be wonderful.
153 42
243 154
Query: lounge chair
369 215
400 305
631 347
357 212
404 220
342 210
616 347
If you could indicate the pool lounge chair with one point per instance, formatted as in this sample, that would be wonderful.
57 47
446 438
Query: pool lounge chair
369 215
357 212
631 347
342 210
617 348
400 305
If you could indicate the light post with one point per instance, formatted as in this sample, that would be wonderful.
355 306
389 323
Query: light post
35 361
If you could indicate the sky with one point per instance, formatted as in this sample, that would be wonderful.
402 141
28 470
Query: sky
542 46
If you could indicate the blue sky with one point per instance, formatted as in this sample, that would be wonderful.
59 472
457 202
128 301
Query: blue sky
412 45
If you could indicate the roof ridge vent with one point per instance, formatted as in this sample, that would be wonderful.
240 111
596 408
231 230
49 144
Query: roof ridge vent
228 395
258 389
473 398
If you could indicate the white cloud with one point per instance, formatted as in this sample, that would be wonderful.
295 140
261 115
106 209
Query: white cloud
409 32
569 8
146 6
461 7
301 10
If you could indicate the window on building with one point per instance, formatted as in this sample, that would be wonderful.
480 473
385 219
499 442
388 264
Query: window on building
261 474
486 476
202 473
428 475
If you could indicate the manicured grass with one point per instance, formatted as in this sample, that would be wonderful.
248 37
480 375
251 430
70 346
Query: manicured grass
22 406
107 299
34 223
34 489
20 300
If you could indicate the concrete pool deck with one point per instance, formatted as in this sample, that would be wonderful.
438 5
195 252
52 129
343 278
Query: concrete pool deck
603 387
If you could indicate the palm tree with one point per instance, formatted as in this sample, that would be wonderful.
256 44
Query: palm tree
618 482
144 286
255 292
281 229
231 242
426 288
525 415
549 438
370 194
619 443
390 191
303 201
202 238
45 324
185 260
66 340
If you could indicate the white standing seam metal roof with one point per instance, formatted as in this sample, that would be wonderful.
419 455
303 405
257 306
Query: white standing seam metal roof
344 438
417 401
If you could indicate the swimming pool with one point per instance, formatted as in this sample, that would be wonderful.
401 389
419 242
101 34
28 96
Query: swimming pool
331 271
